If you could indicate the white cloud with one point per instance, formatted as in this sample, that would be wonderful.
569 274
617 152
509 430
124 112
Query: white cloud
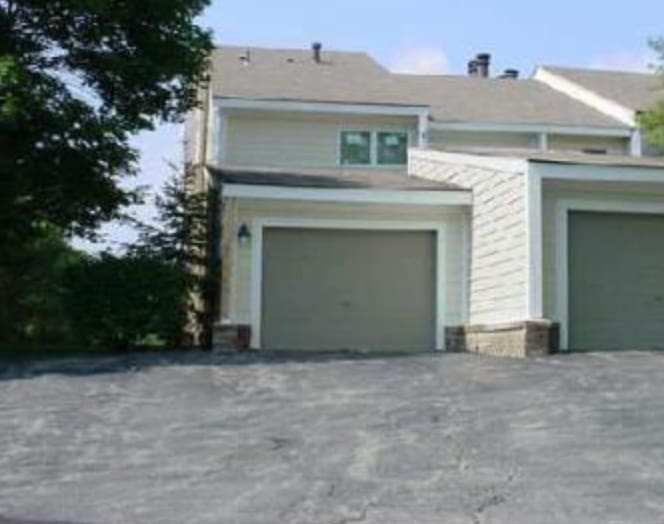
421 60
638 61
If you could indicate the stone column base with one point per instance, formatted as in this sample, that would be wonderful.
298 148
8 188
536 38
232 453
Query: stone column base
515 339
231 337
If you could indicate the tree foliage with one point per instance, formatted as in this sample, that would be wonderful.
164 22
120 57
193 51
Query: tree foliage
119 302
122 301
183 235
32 311
77 78
652 121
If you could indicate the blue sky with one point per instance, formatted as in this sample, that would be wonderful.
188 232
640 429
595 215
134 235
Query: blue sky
427 36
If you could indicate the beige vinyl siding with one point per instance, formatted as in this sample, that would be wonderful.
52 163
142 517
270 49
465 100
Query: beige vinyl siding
293 140
248 209
476 139
554 191
612 145
498 269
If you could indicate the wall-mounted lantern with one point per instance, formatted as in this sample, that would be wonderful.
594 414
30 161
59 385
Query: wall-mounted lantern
244 234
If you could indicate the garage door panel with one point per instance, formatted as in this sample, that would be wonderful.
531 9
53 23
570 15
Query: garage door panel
336 289
616 288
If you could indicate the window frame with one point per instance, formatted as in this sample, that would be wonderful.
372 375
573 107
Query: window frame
379 132
373 145
340 147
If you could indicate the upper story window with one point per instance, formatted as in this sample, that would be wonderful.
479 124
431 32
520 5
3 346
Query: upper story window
363 148
392 148
355 148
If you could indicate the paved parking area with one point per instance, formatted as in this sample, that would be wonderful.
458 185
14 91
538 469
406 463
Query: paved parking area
197 439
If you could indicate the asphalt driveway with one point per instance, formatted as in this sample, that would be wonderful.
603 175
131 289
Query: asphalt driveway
430 439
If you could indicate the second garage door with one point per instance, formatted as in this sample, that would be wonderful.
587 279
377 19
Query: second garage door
616 286
330 289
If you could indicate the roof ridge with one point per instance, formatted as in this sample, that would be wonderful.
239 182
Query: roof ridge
241 47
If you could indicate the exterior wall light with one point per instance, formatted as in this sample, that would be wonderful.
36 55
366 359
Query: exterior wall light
244 234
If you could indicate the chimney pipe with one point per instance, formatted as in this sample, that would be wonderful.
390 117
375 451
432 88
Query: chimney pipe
316 48
483 64
472 68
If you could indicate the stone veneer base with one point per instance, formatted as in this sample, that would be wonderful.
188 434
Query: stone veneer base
515 339
231 337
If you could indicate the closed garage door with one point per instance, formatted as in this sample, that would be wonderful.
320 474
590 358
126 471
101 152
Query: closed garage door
348 289
616 288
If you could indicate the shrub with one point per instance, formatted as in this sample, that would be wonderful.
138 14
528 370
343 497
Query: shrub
123 302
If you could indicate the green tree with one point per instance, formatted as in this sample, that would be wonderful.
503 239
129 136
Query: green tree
146 292
652 121
120 302
77 79
33 310
183 236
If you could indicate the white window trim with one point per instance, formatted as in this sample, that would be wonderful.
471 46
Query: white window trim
259 224
562 210
373 146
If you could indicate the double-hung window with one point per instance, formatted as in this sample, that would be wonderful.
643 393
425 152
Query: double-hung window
392 148
355 148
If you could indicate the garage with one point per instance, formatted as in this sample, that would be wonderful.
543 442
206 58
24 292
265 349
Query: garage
616 281
360 289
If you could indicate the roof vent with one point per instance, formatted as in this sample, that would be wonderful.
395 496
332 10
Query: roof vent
316 49
483 61
245 58
510 73
472 68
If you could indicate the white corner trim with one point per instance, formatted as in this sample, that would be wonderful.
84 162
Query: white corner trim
367 196
259 224
533 198
495 163
423 130
543 141
562 210
322 107
516 127
582 94
466 255
636 143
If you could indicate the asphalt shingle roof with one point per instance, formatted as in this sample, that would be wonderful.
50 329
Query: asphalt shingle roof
329 178
637 91
563 157
351 77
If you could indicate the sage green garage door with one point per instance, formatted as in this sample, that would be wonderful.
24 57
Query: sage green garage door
616 286
329 289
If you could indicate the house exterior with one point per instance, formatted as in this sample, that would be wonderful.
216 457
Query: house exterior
363 209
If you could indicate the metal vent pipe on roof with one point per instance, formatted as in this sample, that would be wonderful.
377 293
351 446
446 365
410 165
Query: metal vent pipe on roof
510 73
316 48
472 68
483 61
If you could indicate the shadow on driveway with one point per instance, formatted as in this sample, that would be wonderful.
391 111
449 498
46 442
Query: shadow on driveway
30 366
4 520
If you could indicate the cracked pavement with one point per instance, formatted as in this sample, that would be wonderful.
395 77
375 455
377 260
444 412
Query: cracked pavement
200 438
